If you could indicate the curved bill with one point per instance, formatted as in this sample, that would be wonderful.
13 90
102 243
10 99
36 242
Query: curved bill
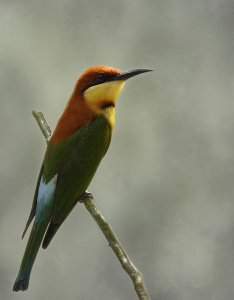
129 74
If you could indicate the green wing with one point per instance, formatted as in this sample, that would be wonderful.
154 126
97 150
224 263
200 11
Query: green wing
34 204
76 169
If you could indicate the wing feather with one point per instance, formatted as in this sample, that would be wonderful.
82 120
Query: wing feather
77 170
34 204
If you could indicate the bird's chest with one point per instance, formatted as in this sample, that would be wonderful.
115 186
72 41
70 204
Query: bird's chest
96 139
83 150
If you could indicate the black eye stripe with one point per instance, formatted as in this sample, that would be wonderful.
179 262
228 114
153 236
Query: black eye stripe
100 76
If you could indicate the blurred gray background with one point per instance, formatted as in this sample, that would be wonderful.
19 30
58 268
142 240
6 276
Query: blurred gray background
166 184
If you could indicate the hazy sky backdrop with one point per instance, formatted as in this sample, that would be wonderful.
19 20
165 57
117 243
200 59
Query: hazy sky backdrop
167 182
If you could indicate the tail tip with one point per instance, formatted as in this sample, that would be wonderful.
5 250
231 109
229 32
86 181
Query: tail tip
20 285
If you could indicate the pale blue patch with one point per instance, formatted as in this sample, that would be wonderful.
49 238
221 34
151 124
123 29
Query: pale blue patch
45 199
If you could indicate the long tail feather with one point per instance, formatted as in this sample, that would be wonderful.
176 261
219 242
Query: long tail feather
31 216
51 230
44 204
30 253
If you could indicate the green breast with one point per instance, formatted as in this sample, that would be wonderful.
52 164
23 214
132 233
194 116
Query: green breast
76 160
88 143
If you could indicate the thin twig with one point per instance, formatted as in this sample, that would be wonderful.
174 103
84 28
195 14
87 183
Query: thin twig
41 121
105 227
119 251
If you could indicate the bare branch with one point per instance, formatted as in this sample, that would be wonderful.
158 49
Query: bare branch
41 121
105 227
119 251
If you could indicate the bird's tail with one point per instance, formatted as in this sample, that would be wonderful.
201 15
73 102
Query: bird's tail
30 253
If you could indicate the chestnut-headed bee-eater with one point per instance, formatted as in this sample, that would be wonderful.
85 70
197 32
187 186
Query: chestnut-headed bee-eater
75 149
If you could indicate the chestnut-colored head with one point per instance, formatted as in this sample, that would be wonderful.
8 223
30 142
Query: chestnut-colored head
94 76
95 93
100 86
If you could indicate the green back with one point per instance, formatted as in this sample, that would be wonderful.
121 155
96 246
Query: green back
75 160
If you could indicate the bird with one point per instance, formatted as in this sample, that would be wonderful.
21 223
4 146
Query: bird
79 142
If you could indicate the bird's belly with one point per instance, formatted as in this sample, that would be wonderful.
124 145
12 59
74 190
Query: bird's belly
80 165
93 148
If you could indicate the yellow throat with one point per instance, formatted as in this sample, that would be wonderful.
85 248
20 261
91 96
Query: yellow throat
96 96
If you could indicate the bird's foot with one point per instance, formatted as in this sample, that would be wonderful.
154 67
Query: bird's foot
85 196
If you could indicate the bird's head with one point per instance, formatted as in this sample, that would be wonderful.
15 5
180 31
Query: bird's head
95 93
100 86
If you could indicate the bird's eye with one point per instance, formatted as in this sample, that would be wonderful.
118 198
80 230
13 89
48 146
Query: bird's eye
100 76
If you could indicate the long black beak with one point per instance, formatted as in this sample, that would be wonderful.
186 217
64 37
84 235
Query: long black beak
129 74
